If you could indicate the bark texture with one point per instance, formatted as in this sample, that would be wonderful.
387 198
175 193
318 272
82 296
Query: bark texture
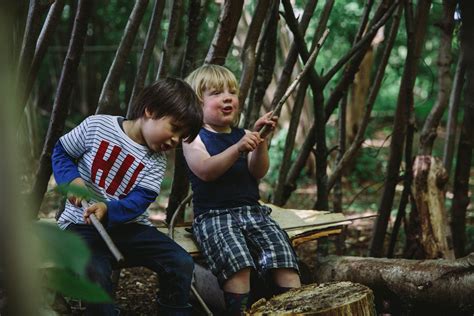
438 286
108 96
461 197
429 188
167 50
147 51
416 37
228 20
429 131
327 299
61 102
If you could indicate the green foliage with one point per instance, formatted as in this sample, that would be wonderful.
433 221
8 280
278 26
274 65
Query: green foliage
369 166
79 191
63 260
276 151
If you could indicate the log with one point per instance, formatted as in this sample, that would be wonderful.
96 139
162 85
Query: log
428 285
327 299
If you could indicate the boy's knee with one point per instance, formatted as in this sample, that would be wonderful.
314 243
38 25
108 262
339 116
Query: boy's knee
184 262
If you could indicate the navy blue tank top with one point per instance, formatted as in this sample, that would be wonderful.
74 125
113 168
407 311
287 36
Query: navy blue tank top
235 188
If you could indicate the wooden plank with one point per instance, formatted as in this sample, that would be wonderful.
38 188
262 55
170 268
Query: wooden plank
301 226
297 223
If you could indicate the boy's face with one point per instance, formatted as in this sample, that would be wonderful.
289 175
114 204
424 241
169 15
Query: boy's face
220 107
161 134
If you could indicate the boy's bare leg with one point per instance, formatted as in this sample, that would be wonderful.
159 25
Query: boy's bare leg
239 282
286 277
236 292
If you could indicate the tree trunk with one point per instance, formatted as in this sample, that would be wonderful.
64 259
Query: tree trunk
429 132
285 185
429 188
415 43
248 53
359 138
30 36
466 142
436 287
327 299
230 14
292 56
108 100
451 126
318 100
195 18
49 26
355 55
266 57
180 185
359 90
61 102
147 52
167 50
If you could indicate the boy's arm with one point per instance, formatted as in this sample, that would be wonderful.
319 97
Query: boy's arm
209 168
128 208
64 168
258 160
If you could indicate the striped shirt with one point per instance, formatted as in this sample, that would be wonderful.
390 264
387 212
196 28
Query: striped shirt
119 171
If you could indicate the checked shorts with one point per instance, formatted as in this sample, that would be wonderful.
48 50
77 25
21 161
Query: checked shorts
237 238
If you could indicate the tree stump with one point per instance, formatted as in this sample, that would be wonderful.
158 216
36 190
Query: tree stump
327 299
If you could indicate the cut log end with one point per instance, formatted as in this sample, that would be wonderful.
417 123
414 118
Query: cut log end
328 299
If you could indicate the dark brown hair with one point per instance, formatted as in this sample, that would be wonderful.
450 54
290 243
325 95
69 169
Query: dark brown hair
171 97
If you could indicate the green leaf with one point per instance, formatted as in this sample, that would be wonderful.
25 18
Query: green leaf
74 286
61 249
78 190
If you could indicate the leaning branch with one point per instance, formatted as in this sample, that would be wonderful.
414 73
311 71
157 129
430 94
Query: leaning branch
265 130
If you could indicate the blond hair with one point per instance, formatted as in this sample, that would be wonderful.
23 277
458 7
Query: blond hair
210 76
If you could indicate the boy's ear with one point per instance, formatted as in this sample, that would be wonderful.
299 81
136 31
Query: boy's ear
148 113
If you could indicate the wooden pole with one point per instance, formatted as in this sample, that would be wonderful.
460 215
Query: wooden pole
105 236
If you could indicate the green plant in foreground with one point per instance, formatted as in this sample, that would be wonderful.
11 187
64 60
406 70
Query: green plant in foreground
63 260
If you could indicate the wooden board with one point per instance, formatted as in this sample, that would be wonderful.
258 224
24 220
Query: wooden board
301 226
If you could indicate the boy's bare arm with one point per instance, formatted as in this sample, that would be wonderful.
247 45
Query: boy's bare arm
209 168
258 159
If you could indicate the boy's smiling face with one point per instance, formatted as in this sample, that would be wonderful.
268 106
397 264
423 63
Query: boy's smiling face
161 134
220 107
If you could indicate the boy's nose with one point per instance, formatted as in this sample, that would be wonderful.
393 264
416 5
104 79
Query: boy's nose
175 140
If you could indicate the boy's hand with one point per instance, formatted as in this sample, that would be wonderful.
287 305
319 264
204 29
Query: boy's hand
99 209
249 142
73 199
267 119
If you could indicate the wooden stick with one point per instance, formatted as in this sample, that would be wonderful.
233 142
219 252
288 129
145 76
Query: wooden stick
103 233
309 63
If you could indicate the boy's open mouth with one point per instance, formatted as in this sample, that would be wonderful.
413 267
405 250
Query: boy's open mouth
227 109
165 147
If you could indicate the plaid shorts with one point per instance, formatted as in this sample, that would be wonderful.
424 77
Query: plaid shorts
237 238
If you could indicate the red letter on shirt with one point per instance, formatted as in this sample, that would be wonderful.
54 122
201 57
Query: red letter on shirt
102 164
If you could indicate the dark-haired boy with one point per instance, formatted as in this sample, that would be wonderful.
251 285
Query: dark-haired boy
122 162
